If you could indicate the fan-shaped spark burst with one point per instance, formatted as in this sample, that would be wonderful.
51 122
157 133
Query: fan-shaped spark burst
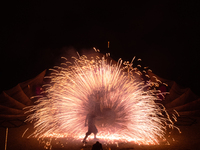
125 109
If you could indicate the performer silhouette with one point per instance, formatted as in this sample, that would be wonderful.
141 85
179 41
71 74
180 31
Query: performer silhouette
91 117
90 121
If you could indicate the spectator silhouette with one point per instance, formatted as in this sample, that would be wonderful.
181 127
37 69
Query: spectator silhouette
97 146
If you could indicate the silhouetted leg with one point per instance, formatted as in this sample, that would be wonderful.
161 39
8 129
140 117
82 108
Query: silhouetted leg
84 140
95 135
86 135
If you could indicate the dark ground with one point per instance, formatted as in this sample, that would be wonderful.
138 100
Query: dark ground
187 140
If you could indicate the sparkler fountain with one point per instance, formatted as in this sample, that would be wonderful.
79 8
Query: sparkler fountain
125 110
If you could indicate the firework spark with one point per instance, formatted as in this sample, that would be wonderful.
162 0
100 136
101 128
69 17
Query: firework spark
126 109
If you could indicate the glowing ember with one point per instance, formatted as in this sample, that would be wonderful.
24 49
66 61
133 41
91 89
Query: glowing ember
125 108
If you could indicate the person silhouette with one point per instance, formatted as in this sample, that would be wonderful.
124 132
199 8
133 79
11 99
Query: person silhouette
90 121
97 146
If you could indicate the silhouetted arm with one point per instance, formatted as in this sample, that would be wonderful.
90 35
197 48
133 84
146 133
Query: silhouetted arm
86 120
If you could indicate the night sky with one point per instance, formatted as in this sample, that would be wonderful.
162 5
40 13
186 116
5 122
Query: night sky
164 34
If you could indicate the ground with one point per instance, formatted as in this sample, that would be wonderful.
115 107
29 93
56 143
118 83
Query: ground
187 140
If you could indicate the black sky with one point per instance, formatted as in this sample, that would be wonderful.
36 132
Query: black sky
164 34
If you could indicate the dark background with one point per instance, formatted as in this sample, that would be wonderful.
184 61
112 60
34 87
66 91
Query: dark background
164 34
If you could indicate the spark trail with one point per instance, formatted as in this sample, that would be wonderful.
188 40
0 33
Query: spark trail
126 109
